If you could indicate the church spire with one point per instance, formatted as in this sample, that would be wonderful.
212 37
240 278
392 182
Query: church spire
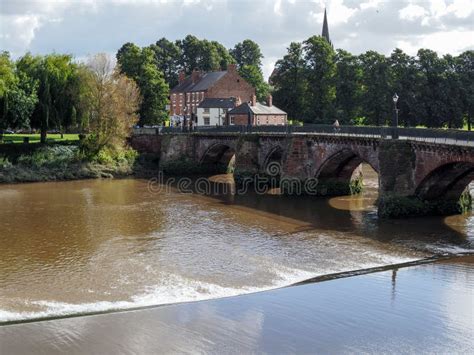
326 28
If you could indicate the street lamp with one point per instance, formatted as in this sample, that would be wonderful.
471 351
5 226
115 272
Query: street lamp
395 117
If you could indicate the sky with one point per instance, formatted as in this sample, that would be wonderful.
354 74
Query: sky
86 27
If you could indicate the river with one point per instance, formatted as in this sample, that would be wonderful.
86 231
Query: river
87 246
73 248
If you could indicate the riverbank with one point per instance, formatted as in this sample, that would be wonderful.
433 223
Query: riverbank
420 309
62 162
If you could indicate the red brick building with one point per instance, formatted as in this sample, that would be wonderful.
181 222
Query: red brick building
191 90
256 114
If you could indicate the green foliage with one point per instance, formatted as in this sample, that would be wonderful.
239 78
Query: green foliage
17 95
433 91
348 83
109 156
139 65
289 80
5 162
465 202
57 79
253 75
402 207
166 58
376 92
202 55
356 185
247 53
50 156
321 88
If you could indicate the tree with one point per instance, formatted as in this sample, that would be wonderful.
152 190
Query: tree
113 100
139 65
321 71
290 82
17 95
403 81
248 58
254 77
465 71
348 87
130 59
202 55
376 93
167 56
21 100
191 52
225 58
247 53
452 94
55 75
430 88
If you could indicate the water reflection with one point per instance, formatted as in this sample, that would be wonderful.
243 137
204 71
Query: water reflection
431 313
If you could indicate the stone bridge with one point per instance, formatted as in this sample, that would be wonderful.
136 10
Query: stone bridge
415 178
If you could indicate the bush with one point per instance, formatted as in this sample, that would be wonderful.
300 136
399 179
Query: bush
108 156
50 156
4 162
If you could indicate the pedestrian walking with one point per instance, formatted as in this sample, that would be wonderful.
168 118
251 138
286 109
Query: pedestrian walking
337 126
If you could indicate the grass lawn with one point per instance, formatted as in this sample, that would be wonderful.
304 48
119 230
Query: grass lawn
35 138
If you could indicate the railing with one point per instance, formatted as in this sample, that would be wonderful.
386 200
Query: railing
446 136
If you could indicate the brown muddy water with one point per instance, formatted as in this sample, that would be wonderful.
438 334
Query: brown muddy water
74 248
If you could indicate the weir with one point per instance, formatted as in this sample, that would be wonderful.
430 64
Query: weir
422 173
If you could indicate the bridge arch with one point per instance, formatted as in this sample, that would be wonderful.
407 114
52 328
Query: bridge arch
273 162
340 173
446 182
218 157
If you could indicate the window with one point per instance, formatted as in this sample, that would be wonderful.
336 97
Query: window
206 110
207 120
231 119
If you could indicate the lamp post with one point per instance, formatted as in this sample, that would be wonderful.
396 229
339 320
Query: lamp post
395 117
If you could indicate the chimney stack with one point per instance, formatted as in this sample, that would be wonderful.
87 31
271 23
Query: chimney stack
181 76
269 100
254 100
238 101
195 76
231 67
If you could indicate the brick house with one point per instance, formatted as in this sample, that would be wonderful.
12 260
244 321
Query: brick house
192 90
256 114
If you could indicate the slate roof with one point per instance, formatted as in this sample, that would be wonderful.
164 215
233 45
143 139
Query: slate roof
258 109
217 103
204 83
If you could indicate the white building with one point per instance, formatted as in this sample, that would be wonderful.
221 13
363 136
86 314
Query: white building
213 111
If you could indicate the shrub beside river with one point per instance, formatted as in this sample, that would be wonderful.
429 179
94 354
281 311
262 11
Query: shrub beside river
65 162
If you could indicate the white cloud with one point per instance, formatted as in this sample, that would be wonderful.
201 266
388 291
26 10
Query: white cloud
452 42
339 13
370 4
461 8
411 12
17 32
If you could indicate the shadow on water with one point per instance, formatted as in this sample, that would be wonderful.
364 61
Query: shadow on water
351 214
